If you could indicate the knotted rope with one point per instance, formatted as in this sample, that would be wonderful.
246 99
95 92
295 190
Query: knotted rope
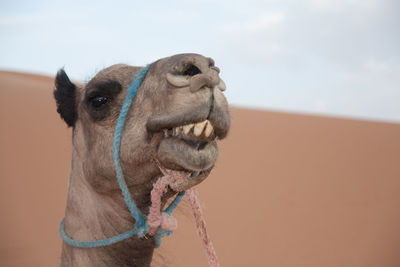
166 222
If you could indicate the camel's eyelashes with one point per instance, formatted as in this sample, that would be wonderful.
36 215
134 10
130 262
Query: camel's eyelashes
98 101
191 71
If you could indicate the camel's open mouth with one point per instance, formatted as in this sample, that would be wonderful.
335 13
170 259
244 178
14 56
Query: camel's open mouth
190 147
196 135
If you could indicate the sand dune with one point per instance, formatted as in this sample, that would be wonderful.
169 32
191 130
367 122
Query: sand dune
288 190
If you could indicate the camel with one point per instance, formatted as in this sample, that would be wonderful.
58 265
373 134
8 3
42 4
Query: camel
175 120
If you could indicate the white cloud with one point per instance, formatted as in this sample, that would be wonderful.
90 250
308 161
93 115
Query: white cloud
258 25
377 66
172 16
19 19
255 40
334 6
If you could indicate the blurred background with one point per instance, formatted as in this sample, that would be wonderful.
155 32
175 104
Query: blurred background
312 162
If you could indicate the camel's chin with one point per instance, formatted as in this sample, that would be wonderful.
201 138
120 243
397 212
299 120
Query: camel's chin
176 154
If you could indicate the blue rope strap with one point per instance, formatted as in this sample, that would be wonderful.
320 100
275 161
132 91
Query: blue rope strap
140 221
141 228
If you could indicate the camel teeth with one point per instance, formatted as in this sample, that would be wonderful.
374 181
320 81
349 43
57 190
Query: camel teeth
187 128
198 128
209 129
178 130
204 128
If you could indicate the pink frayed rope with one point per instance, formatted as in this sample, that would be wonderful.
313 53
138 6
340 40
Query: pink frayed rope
157 219
201 228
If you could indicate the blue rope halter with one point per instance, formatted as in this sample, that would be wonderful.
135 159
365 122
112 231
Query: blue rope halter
141 228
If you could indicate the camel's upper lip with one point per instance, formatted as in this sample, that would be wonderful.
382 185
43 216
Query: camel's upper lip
197 126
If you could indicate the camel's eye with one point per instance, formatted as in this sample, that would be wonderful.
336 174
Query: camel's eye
99 98
98 101
191 71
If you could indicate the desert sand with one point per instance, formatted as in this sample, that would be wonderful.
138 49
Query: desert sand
288 190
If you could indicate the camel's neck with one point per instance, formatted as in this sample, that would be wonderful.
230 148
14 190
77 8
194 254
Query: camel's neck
91 215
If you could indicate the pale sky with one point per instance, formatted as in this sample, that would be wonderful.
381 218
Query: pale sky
338 57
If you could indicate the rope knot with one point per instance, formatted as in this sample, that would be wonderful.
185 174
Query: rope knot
156 218
168 222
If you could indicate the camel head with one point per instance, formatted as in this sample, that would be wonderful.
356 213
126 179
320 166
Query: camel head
175 120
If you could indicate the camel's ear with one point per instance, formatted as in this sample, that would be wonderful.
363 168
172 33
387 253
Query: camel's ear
65 98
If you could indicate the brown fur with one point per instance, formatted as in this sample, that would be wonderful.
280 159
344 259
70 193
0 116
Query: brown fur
95 208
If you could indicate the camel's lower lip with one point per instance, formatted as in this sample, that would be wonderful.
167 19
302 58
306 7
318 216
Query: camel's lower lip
181 154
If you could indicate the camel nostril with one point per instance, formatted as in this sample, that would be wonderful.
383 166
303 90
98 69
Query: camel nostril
191 71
